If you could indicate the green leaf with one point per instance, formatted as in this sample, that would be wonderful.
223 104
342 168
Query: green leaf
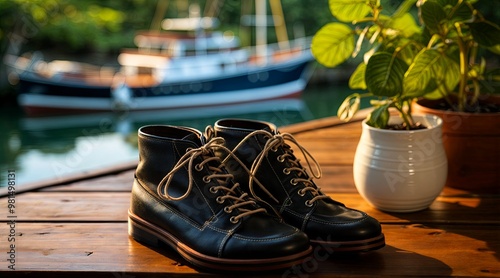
495 49
444 3
357 80
379 117
408 49
349 10
432 91
485 33
349 107
430 71
406 24
420 72
333 44
432 15
462 12
384 74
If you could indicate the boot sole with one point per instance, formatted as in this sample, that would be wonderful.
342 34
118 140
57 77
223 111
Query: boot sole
352 246
149 234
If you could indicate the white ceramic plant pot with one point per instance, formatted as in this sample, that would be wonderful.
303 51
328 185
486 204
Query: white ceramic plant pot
401 171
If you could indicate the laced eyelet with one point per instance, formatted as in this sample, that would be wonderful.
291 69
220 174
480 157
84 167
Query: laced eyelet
189 149
309 203
206 179
213 190
294 182
301 192
281 158
227 210
286 171
198 167
219 200
274 150
234 220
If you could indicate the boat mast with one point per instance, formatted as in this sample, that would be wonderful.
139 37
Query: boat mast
261 30
262 22
279 24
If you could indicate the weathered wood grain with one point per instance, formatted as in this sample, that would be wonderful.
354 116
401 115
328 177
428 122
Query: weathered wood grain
112 207
119 182
412 250
77 227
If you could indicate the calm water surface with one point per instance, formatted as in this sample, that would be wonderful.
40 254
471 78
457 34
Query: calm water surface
45 148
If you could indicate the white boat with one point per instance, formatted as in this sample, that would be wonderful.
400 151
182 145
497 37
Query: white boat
170 69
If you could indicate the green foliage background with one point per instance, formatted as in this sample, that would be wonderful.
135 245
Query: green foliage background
80 27
109 25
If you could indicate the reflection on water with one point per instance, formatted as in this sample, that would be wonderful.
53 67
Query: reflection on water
44 148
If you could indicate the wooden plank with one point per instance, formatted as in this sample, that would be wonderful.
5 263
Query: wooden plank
329 153
345 131
75 206
99 207
71 178
323 123
119 182
86 247
412 250
444 210
332 145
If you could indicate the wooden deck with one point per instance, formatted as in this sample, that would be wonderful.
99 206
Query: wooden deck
70 229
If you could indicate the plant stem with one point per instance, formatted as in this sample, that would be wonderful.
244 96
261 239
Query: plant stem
463 69
404 7
406 117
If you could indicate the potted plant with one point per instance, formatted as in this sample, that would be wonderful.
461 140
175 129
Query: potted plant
464 98
433 56
400 164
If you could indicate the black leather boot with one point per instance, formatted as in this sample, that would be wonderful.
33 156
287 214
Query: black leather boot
183 196
273 175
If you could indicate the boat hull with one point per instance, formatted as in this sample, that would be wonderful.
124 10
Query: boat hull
39 95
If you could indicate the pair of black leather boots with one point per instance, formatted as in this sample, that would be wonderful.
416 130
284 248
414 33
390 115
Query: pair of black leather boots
237 198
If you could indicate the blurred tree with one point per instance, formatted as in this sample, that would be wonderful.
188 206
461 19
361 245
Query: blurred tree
106 26
75 25
109 25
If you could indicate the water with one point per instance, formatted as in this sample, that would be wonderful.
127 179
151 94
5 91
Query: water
45 148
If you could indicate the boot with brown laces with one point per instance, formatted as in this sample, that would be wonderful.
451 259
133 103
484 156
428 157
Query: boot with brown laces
182 196
272 174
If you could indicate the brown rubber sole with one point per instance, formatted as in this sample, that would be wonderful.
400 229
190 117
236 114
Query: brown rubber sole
149 234
364 245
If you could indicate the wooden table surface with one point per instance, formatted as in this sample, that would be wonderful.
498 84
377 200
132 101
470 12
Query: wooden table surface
71 229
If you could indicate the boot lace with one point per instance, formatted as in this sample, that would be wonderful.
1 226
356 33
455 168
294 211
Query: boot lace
243 202
273 143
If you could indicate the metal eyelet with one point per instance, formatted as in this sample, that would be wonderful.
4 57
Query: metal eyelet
274 150
234 220
286 171
309 203
219 200
294 182
213 190
198 167
189 149
281 159
227 210
301 192
206 179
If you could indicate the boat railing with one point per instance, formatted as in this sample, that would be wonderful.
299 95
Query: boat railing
275 52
